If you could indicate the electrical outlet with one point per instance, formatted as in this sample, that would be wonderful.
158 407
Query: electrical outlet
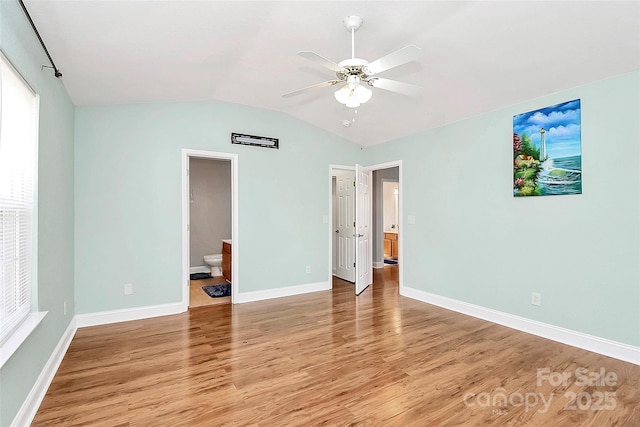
325 219
128 288
536 298
308 269
64 308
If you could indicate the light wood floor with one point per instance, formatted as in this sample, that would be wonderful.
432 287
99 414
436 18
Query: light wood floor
198 298
329 358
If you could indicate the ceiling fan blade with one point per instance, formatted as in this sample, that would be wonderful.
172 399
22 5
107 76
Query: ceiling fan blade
312 87
321 60
396 86
399 57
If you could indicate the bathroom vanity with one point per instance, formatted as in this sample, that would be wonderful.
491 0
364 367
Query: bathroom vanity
390 245
226 260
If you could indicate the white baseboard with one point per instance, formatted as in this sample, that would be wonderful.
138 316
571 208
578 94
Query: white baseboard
378 264
30 406
127 314
617 350
281 292
199 269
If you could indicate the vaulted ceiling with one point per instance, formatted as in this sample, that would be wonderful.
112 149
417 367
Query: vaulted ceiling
476 56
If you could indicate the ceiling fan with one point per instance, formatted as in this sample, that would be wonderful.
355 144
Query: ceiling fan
358 73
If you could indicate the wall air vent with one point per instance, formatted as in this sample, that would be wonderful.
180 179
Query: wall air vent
258 141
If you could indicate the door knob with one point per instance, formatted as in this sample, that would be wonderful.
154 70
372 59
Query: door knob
336 231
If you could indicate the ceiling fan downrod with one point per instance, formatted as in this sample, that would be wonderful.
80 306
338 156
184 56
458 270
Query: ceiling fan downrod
352 23
353 43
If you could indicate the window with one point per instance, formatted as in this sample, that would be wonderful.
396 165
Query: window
18 161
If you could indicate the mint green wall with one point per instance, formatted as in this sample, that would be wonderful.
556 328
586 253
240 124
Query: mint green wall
55 210
580 252
128 198
474 242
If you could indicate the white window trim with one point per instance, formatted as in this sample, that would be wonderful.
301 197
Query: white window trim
20 334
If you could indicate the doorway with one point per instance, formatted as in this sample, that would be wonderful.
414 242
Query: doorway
209 227
200 171
372 255
386 217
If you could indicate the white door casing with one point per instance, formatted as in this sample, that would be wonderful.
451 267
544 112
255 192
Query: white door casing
235 267
345 227
364 262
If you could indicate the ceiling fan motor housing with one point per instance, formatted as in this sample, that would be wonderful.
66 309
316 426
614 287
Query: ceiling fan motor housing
353 67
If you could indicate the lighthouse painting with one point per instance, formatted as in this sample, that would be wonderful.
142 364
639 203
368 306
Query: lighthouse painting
547 155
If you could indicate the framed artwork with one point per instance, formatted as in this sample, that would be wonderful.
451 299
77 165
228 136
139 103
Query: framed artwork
547 151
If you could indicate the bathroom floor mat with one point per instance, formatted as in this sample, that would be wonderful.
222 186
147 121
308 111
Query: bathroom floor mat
199 276
216 291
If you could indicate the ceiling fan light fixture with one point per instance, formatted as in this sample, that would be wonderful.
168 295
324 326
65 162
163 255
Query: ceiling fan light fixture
342 95
353 81
362 93
353 94
353 102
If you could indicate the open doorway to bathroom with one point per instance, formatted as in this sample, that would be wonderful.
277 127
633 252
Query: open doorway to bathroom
209 229
210 217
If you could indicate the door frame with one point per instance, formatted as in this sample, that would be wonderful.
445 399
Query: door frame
373 168
401 230
186 248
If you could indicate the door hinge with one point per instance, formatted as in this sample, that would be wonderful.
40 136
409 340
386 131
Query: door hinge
354 183
354 223
354 264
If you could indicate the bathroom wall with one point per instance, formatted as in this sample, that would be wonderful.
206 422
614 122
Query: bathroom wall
209 207
390 174
472 241
53 274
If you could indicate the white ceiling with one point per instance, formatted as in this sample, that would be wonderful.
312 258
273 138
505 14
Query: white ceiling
477 56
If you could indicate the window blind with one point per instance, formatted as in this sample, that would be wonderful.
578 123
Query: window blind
18 148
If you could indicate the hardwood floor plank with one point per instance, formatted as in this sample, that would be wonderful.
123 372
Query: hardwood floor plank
329 358
198 297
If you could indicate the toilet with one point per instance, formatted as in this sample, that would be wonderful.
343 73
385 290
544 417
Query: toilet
215 262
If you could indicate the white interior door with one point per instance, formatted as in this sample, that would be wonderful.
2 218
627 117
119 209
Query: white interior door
345 227
364 263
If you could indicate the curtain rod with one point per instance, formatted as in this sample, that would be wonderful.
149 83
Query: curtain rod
56 71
